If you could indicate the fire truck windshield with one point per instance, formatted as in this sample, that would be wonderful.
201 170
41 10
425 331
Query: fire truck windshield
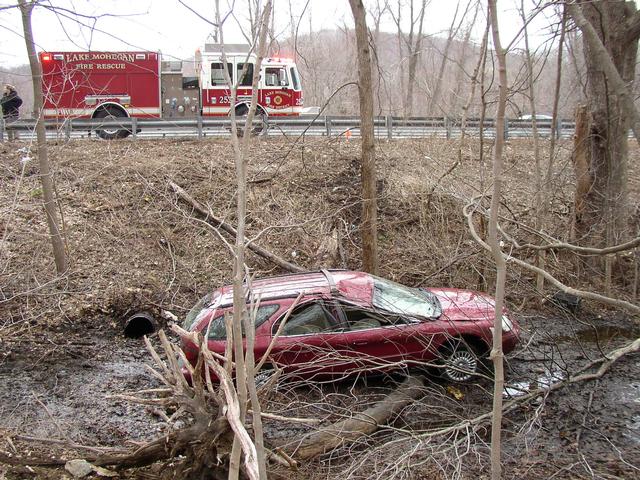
295 79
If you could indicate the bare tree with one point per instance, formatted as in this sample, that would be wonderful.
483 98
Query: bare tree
368 161
398 19
496 352
556 100
451 34
242 321
415 48
46 177
413 42
461 71
377 13
610 32
538 198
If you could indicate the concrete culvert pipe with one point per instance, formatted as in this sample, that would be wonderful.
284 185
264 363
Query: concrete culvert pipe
140 324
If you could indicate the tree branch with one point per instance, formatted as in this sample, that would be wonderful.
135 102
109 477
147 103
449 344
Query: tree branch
218 223
615 302
360 424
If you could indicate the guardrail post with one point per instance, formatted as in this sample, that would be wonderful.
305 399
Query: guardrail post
447 126
67 129
327 124
2 132
199 127
134 127
559 129
506 128
389 122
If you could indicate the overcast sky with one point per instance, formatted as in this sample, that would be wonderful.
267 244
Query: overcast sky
170 27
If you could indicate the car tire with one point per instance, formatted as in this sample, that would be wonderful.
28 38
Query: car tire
111 134
264 375
461 363
242 113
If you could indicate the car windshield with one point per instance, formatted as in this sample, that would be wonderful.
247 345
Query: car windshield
396 298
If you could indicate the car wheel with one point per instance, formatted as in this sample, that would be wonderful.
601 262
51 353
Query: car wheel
461 363
112 133
264 375
242 114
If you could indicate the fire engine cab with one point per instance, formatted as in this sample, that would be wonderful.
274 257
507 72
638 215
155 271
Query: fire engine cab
143 85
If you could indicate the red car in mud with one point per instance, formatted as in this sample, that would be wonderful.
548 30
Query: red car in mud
350 322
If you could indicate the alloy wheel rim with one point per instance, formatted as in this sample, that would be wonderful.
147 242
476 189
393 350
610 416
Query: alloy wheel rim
461 365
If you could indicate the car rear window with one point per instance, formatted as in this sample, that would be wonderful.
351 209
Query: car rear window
217 330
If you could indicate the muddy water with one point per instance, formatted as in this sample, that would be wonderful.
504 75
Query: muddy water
593 337
519 388
591 425
73 378
53 392
630 395
600 334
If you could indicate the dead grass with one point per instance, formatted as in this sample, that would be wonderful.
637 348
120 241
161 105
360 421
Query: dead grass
130 241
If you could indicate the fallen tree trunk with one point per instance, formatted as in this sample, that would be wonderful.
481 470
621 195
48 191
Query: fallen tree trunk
162 448
361 424
365 423
210 218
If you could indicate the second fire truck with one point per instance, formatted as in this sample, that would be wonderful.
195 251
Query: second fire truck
143 85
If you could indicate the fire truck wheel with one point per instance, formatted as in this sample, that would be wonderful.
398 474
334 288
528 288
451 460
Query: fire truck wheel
111 133
242 111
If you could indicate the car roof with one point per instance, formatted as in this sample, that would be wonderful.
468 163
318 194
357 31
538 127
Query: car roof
353 285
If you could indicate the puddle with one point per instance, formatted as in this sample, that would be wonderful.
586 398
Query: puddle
633 429
602 334
630 394
522 387
626 394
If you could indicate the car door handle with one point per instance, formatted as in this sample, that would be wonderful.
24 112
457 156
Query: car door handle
360 342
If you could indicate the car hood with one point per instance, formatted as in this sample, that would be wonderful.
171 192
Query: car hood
464 305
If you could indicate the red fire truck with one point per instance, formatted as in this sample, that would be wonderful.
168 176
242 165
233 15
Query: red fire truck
143 85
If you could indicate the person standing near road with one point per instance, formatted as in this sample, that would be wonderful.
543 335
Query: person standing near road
10 108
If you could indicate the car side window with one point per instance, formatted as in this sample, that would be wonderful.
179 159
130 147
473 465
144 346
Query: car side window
294 78
217 331
360 319
308 319
247 78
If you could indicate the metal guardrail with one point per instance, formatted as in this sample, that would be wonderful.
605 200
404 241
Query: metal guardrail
388 127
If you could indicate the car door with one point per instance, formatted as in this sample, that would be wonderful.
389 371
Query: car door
309 343
382 341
